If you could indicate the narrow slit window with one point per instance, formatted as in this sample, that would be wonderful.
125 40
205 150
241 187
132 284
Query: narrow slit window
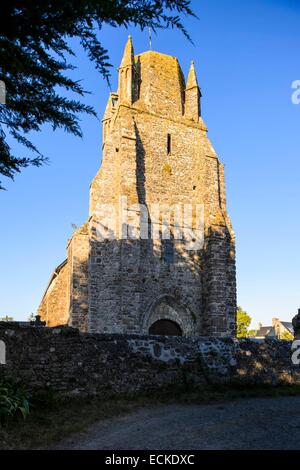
168 251
169 144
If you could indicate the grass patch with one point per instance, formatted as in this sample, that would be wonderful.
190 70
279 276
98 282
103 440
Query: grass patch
52 420
49 424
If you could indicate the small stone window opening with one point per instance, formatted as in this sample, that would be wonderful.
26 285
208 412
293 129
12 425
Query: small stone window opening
105 131
168 251
169 144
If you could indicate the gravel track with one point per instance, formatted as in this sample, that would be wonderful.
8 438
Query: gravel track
256 423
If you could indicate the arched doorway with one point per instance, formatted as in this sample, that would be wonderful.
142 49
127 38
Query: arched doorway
165 328
166 316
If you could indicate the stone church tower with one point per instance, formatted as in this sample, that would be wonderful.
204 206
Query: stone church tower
156 153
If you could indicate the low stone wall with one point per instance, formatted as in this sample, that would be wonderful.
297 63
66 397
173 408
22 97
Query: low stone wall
74 363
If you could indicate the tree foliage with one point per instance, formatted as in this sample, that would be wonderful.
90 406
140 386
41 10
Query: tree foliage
14 399
243 323
34 46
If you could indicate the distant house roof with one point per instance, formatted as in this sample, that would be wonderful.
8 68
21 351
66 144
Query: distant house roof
16 322
288 326
269 331
264 331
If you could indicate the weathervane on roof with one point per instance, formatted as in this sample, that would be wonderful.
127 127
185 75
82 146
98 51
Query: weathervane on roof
150 38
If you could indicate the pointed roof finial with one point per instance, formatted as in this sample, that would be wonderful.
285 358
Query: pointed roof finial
128 56
192 78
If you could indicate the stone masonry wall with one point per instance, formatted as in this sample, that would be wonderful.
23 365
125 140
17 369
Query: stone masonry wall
155 151
54 308
78 255
80 364
128 278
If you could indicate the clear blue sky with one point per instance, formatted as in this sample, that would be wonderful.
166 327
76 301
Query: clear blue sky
247 56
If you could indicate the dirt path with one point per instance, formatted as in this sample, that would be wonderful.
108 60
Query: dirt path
258 423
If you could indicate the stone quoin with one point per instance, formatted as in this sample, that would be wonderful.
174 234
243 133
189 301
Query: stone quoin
155 152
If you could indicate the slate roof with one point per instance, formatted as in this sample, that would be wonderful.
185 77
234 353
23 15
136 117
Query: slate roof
264 331
288 326
270 330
